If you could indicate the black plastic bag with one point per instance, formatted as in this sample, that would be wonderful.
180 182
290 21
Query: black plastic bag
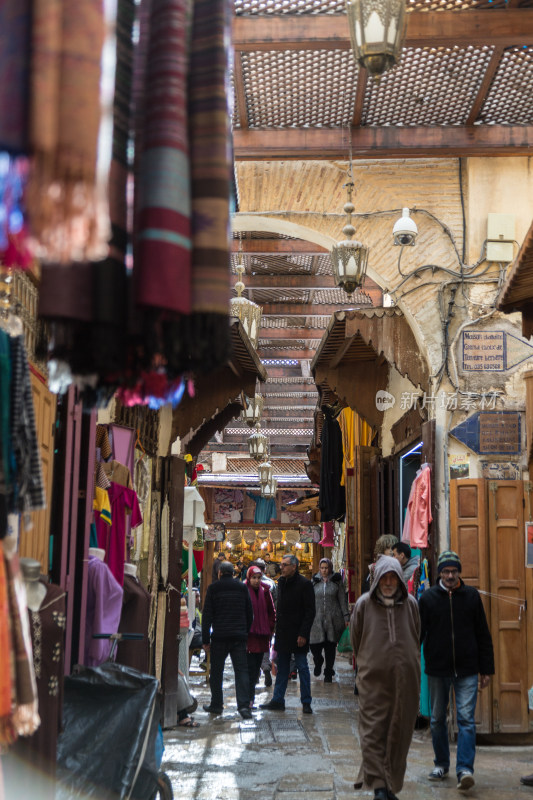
110 721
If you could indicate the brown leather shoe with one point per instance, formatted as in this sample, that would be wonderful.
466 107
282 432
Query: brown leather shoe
527 780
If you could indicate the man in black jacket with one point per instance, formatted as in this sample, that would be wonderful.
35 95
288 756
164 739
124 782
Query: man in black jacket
226 620
457 650
295 612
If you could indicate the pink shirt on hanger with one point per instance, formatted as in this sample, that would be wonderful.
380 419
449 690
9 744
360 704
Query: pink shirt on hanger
113 539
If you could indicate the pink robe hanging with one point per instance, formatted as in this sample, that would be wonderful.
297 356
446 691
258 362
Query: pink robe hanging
418 516
113 539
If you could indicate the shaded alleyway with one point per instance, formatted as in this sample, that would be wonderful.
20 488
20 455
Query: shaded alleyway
288 756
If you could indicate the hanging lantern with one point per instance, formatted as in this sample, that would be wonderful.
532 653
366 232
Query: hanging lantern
349 257
258 443
269 489
377 30
253 409
265 471
248 312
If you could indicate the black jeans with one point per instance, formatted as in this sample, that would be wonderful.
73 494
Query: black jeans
254 668
220 650
330 651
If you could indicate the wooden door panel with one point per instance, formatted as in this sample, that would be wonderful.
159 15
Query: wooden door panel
362 554
508 620
469 538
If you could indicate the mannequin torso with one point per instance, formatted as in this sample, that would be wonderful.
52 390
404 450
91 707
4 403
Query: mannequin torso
35 590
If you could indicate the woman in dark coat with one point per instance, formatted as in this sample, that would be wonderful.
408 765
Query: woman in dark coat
332 617
262 627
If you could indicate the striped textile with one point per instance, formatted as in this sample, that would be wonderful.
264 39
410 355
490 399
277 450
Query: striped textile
15 31
211 156
163 263
118 172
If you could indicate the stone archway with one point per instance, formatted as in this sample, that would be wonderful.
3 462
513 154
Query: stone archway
263 223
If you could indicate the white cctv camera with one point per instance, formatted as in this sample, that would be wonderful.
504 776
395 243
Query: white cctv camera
405 230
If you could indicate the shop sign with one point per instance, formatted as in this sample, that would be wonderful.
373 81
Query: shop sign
493 351
496 433
310 534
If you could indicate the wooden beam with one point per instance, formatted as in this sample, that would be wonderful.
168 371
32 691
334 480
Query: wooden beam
266 353
341 352
290 282
240 93
268 247
290 334
362 80
485 85
498 27
384 142
306 310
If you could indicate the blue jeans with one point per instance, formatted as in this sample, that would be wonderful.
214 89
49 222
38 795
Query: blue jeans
282 677
465 690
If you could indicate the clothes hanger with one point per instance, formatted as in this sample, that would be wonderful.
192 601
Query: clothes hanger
138 444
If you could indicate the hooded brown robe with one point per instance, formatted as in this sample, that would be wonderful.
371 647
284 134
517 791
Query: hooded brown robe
386 643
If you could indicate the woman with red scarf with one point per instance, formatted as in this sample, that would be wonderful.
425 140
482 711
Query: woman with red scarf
262 627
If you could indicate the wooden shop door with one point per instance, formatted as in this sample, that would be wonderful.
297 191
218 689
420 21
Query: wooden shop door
508 613
469 539
360 541
487 531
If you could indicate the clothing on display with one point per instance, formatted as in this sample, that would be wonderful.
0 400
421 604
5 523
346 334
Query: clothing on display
112 538
418 515
104 608
332 499
265 508
134 619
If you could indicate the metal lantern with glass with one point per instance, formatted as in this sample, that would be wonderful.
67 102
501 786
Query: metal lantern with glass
269 489
257 443
349 257
246 310
253 409
377 31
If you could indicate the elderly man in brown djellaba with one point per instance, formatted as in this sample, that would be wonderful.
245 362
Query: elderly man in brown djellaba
385 633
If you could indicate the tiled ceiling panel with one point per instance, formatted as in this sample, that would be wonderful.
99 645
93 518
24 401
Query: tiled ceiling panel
430 86
338 6
510 97
299 88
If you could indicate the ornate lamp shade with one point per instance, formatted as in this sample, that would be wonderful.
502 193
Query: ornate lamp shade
349 257
253 409
265 472
248 312
377 29
269 489
258 443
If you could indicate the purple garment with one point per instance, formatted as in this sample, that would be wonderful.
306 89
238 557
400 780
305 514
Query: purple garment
104 607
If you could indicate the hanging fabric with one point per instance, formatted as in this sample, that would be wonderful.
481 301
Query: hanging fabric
15 24
418 516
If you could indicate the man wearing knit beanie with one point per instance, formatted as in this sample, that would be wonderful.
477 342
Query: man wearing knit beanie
458 652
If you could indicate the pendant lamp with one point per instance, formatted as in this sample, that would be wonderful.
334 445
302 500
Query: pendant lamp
377 31
253 409
257 443
349 257
247 311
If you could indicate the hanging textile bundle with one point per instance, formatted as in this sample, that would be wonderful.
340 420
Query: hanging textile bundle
67 41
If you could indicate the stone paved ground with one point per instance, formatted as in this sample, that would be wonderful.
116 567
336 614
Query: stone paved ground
288 755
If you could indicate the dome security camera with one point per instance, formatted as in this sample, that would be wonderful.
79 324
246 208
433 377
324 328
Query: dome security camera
405 230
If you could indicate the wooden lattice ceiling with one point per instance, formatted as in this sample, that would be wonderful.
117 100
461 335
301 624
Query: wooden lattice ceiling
464 85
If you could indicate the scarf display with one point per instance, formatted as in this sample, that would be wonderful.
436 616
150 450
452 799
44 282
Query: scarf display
67 41
7 732
261 624
162 271
15 32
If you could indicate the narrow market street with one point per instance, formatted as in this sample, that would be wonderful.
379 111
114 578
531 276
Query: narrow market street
288 755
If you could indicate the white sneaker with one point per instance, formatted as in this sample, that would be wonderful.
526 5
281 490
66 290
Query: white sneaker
438 774
465 780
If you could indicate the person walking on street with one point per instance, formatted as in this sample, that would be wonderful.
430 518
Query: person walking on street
216 566
295 613
226 621
385 634
262 627
332 617
458 652
408 562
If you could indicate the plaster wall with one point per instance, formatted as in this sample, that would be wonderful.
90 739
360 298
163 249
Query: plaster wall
498 186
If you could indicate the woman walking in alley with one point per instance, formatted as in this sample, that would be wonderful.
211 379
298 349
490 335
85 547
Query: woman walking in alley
262 627
332 616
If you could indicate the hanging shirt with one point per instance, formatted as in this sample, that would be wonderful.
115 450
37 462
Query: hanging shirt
355 431
418 516
101 503
265 508
104 607
113 539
